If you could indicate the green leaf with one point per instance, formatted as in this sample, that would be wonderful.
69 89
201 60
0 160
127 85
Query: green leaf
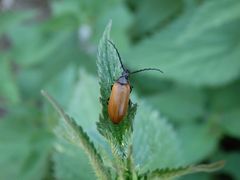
76 134
84 106
25 147
11 19
232 159
152 14
119 30
72 8
39 45
33 78
232 164
198 141
164 174
130 170
155 143
192 60
65 78
212 14
85 11
8 89
84 103
225 107
230 122
109 70
180 103
197 176
225 99
70 163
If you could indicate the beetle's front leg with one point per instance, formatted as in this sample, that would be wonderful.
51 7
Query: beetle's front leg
129 102
131 87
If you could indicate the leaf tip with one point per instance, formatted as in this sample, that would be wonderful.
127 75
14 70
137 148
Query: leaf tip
210 167
43 92
218 165
109 25
108 29
46 95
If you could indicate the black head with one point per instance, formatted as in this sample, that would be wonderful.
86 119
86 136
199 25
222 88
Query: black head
123 79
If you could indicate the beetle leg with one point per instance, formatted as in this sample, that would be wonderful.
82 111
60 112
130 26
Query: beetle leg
129 102
131 87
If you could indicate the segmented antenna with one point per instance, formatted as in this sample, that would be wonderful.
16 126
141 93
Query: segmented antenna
119 57
146 69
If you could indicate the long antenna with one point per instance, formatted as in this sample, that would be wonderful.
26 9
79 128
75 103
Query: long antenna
146 69
119 57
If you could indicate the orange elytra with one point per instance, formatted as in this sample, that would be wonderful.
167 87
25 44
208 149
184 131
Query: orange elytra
119 97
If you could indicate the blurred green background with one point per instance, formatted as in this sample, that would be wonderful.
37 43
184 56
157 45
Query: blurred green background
44 44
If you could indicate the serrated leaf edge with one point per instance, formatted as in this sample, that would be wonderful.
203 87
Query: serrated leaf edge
169 173
117 135
96 161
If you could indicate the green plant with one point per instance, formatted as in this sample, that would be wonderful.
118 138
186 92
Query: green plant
133 143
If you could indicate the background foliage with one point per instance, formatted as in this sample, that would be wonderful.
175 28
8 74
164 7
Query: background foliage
52 45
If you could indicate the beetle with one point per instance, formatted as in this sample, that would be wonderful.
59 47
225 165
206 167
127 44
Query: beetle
119 98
